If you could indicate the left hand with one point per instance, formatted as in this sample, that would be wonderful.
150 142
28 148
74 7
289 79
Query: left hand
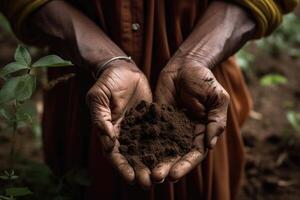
190 85
121 86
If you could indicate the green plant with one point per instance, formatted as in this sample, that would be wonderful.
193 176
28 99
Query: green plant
273 80
4 25
294 119
19 85
286 38
244 59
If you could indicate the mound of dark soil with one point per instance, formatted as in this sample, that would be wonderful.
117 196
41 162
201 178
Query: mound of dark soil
151 133
272 167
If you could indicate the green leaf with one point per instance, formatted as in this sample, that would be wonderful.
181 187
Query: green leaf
17 88
22 56
294 119
14 177
4 177
17 191
4 24
3 114
244 59
11 68
7 116
23 117
52 61
273 79
6 198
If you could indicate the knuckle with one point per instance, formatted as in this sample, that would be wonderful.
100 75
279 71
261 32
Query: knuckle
175 174
158 175
221 129
224 95
96 122
106 143
95 95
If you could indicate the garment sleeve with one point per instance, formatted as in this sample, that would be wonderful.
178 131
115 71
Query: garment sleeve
267 13
17 11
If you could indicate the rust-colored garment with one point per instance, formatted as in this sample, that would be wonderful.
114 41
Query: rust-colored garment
69 141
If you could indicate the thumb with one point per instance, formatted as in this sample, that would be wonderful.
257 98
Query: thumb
214 129
106 135
217 119
101 118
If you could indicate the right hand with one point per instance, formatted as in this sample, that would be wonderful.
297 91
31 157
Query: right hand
119 88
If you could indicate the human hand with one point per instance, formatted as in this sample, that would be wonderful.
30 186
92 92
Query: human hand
190 85
121 86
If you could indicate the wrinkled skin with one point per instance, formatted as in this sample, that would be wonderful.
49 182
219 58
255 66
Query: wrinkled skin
189 84
222 30
187 81
119 88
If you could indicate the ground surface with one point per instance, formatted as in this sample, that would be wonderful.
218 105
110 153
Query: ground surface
272 145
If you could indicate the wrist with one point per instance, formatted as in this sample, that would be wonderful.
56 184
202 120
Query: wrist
188 61
204 57
123 65
113 61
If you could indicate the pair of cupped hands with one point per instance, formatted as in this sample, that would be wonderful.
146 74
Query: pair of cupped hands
181 83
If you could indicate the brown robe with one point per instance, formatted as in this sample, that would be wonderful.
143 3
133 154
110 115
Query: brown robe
69 141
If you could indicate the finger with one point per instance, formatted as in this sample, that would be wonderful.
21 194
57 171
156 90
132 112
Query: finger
194 106
120 163
142 176
214 129
117 126
161 171
142 173
185 165
217 119
199 140
107 144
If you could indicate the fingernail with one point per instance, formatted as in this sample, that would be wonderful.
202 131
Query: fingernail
161 181
213 141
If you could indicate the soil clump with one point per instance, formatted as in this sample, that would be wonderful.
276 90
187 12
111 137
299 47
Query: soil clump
151 133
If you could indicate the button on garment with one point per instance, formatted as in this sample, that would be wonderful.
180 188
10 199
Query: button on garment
163 26
135 26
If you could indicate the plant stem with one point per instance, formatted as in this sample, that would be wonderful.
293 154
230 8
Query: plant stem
13 139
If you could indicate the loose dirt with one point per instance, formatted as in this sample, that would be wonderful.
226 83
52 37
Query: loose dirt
151 133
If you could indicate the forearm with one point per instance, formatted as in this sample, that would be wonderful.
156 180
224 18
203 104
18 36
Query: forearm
223 30
69 32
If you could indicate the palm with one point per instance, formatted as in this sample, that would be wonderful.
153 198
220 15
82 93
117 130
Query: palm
121 88
118 89
196 89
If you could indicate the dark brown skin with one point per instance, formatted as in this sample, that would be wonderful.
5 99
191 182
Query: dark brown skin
108 99
185 81
120 86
